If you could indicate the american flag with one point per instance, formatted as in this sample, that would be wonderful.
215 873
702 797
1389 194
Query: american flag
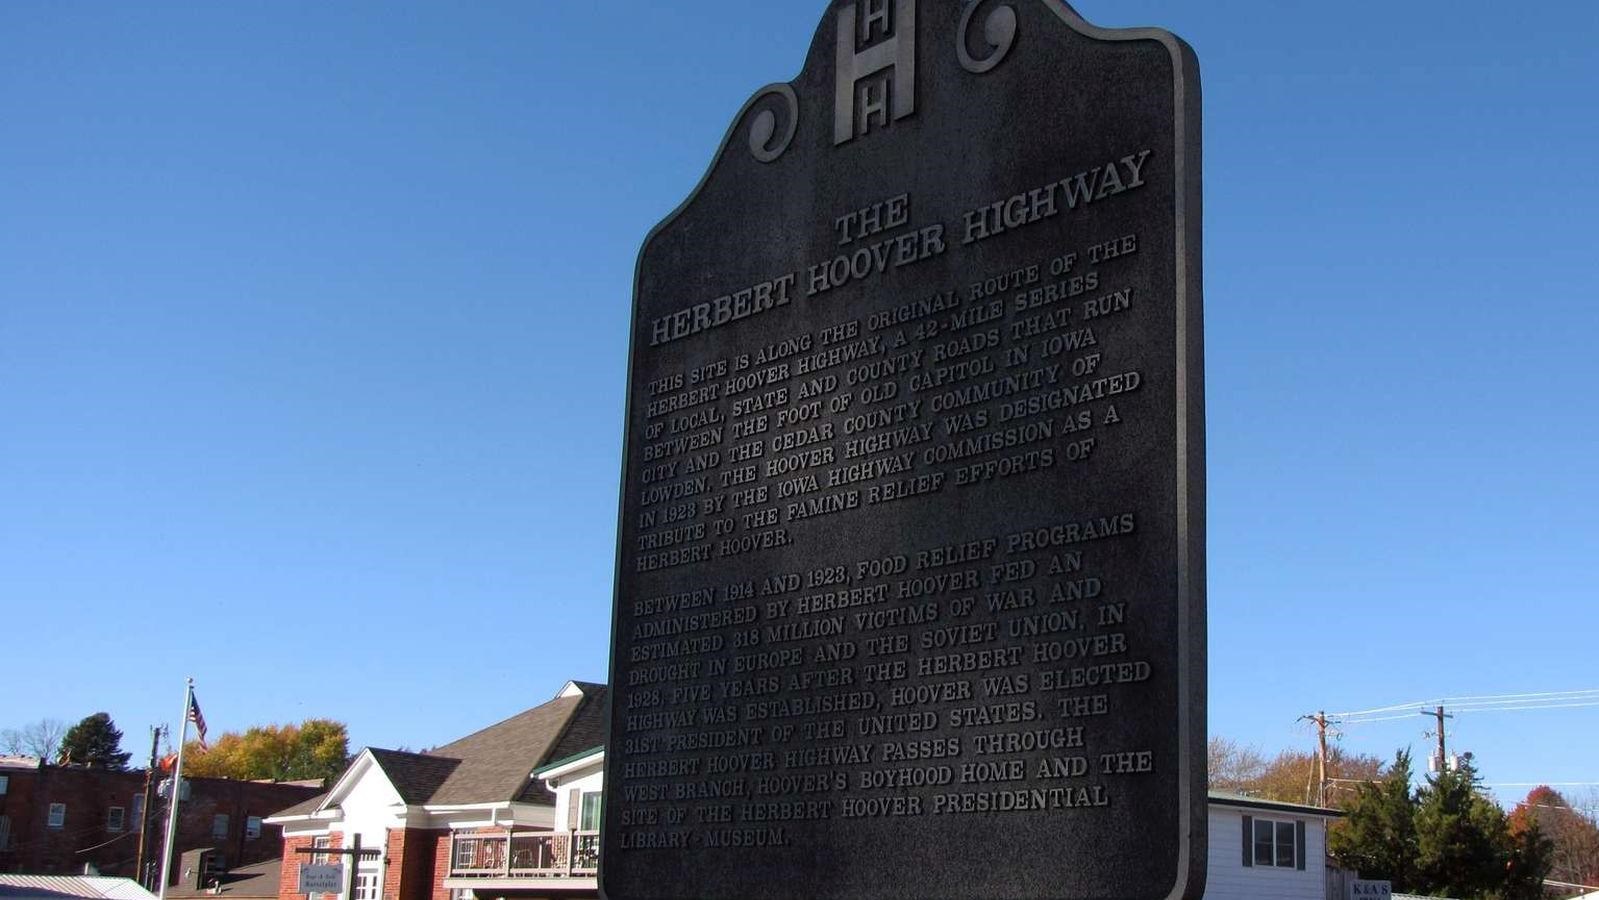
198 719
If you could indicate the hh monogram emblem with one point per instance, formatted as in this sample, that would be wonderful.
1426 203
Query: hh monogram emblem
876 73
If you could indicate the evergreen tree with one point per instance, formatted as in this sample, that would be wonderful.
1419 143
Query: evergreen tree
1377 836
94 743
1462 842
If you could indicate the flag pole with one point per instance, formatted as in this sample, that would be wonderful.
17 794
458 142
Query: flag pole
169 845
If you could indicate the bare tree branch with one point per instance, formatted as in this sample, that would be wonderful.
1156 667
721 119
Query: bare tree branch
41 739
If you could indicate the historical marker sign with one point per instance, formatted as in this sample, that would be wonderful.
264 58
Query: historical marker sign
321 879
910 587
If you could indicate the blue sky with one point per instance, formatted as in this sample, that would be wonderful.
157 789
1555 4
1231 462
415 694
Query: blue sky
313 336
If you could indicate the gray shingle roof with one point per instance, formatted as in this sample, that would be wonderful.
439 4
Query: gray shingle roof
497 763
303 808
587 729
417 776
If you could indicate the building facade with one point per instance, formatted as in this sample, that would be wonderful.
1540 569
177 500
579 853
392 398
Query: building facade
54 820
1265 850
472 815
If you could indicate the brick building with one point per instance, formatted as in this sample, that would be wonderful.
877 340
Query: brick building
56 819
474 815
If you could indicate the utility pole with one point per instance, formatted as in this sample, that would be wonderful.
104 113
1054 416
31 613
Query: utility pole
1440 715
144 809
1320 721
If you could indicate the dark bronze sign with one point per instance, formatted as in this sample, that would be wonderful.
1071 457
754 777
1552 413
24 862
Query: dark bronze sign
910 589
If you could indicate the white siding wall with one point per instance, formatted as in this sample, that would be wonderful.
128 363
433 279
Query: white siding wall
1228 879
370 809
591 781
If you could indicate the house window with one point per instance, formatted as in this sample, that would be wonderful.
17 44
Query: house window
115 818
1276 843
366 885
321 843
465 850
589 820
5 832
58 815
137 808
219 825
5 783
252 827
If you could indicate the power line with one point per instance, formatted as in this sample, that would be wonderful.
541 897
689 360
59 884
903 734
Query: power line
1481 698
1540 784
1478 704
1512 696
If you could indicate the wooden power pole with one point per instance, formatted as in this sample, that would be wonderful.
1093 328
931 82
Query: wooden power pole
1439 714
144 810
1320 721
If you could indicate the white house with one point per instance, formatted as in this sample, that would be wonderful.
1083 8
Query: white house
468 816
1265 850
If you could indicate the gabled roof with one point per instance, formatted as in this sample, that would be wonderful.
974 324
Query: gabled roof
416 776
496 764
491 766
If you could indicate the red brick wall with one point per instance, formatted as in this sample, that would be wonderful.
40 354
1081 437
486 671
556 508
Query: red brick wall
441 866
409 874
18 804
289 876
90 794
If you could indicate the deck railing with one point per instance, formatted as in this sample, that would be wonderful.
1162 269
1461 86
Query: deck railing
525 854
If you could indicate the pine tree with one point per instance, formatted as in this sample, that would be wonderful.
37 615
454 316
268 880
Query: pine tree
1377 836
94 743
1462 842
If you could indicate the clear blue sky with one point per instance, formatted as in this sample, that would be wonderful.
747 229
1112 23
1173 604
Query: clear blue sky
313 335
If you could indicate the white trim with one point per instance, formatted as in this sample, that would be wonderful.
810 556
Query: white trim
364 761
322 831
441 808
567 768
320 815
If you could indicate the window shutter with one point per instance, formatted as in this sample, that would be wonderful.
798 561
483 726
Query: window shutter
574 808
1299 844
1249 841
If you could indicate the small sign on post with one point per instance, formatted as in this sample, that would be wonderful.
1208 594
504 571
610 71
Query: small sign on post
321 879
